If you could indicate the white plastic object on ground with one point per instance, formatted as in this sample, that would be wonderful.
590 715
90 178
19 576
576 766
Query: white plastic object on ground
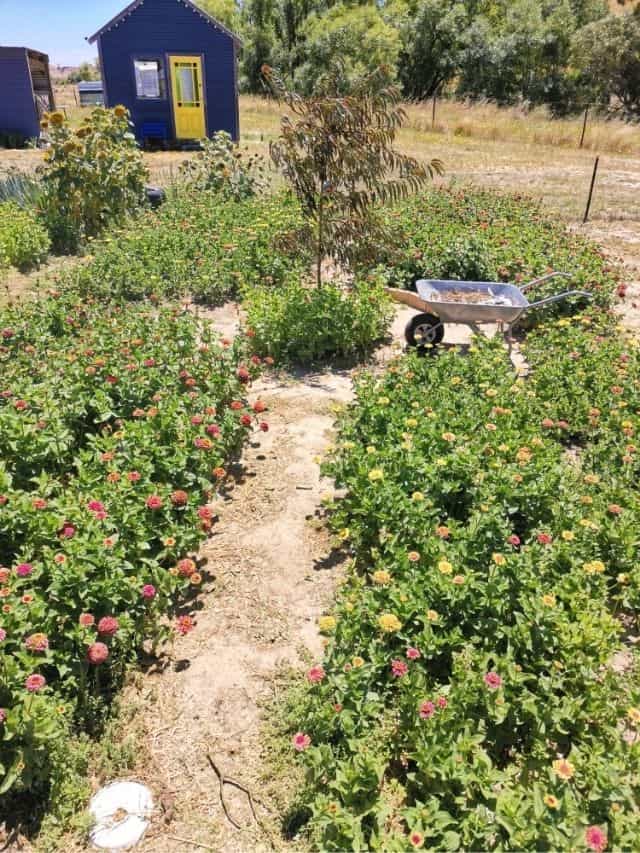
122 811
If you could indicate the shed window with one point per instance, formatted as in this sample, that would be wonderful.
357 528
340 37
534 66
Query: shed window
150 82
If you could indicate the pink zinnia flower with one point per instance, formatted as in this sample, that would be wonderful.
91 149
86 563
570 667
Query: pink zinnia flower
301 741
205 512
514 540
243 374
595 838
316 674
399 668
108 626
236 405
441 702
427 710
492 680
413 654
212 429
133 476
154 502
545 538
259 406
23 570
34 683
614 509
95 506
86 620
264 426
3 635
37 643
97 653
184 624
148 591
67 531
3 715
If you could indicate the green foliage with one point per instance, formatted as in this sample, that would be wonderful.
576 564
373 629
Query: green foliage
20 188
222 166
24 242
93 176
295 323
608 54
197 243
358 35
85 71
337 155
225 11
476 234
115 427
471 646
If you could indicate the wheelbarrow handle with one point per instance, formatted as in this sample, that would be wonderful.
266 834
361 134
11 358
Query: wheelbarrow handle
535 281
559 297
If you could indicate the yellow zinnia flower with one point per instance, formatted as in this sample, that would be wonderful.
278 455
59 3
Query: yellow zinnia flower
389 623
327 623
445 567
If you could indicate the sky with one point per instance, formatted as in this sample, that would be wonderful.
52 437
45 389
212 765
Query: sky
56 27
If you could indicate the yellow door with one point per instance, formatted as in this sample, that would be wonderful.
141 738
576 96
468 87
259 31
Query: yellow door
188 97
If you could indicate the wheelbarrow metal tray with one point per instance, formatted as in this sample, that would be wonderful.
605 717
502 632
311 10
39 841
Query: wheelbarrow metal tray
502 302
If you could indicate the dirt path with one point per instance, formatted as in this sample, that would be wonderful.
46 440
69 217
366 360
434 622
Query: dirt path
269 583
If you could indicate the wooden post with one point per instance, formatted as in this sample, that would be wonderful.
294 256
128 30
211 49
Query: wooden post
584 125
593 181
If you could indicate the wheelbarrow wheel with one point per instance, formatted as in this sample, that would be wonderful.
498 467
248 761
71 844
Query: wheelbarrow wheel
424 329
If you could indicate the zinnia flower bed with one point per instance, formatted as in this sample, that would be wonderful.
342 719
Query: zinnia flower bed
479 689
116 425
200 244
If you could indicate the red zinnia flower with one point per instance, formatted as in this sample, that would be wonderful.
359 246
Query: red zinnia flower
245 420
212 429
243 374
39 503
108 626
67 531
179 498
259 407
545 538
133 476
219 473
412 653
21 405
186 567
97 653
205 512
154 502
236 405
23 570
264 426
86 620
492 680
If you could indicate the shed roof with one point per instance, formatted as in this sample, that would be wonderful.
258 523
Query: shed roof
90 86
134 5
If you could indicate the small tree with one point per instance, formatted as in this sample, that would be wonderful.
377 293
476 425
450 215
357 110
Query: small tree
339 158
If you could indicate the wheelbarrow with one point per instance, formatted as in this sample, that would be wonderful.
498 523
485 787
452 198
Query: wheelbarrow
470 303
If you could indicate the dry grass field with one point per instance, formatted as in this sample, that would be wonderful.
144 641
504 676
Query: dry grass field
480 144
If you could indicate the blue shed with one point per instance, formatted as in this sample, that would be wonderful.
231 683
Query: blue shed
174 67
25 93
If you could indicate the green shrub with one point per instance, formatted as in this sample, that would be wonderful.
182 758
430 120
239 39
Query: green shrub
222 166
24 242
93 176
295 322
197 243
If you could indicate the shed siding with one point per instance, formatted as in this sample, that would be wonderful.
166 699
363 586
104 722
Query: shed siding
17 106
154 30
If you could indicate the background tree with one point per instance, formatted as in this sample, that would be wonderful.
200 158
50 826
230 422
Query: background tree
431 34
337 154
608 54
